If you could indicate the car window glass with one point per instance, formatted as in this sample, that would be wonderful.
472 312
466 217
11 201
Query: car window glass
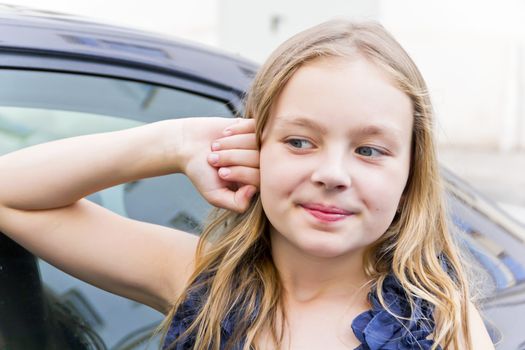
103 96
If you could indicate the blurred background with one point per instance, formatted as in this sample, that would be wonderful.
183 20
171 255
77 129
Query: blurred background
472 54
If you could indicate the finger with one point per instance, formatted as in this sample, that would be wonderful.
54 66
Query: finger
242 157
238 200
240 141
243 197
241 126
240 174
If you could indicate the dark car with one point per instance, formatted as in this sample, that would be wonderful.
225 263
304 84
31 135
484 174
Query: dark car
62 76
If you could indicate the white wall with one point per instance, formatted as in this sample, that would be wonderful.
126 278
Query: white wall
468 52
255 28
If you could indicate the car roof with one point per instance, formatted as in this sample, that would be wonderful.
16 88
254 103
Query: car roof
25 30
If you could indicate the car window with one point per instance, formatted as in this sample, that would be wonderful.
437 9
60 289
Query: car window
40 106
103 96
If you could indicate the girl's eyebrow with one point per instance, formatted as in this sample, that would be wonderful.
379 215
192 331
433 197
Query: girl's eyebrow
301 121
376 130
389 132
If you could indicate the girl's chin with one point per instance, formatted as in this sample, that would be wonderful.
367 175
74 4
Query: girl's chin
326 249
327 252
313 243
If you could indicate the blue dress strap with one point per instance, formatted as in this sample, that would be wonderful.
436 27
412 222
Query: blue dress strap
186 314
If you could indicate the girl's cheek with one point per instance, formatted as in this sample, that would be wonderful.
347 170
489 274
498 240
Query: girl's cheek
278 172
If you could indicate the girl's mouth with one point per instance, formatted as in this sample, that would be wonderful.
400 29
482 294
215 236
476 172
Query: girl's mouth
326 213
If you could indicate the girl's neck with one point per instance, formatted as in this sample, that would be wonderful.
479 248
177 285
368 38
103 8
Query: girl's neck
308 278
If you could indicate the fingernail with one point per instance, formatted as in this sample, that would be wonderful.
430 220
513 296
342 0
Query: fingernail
215 146
213 157
227 132
224 172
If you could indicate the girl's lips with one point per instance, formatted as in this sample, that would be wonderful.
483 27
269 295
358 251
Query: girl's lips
327 214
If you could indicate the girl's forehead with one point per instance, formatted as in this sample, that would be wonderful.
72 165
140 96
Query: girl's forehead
336 94
380 128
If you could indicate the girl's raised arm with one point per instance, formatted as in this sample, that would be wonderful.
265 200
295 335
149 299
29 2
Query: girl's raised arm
41 205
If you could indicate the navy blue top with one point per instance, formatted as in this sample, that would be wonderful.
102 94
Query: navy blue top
376 328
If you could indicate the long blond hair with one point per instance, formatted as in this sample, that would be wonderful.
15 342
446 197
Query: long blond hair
234 260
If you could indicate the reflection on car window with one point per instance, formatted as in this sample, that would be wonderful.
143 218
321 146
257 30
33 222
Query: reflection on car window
36 107
103 96
22 127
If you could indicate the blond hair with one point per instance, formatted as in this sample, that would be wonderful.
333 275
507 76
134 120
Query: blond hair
234 258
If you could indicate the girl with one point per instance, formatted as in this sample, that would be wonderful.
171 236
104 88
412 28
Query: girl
345 246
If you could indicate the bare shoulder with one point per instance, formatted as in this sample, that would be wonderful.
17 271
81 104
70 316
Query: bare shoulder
478 332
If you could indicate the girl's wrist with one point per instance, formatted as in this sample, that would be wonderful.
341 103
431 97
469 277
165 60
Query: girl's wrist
174 153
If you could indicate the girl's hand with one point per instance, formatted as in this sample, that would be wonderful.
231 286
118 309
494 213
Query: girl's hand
221 159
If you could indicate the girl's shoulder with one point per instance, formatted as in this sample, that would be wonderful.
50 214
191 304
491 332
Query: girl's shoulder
478 332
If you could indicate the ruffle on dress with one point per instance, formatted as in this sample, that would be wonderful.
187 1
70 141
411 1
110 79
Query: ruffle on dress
379 329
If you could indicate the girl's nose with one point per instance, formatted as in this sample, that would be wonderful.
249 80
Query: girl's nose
332 173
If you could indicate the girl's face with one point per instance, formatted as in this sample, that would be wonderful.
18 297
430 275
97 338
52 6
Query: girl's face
335 157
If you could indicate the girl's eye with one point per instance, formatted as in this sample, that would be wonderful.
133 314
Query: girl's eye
299 143
368 151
